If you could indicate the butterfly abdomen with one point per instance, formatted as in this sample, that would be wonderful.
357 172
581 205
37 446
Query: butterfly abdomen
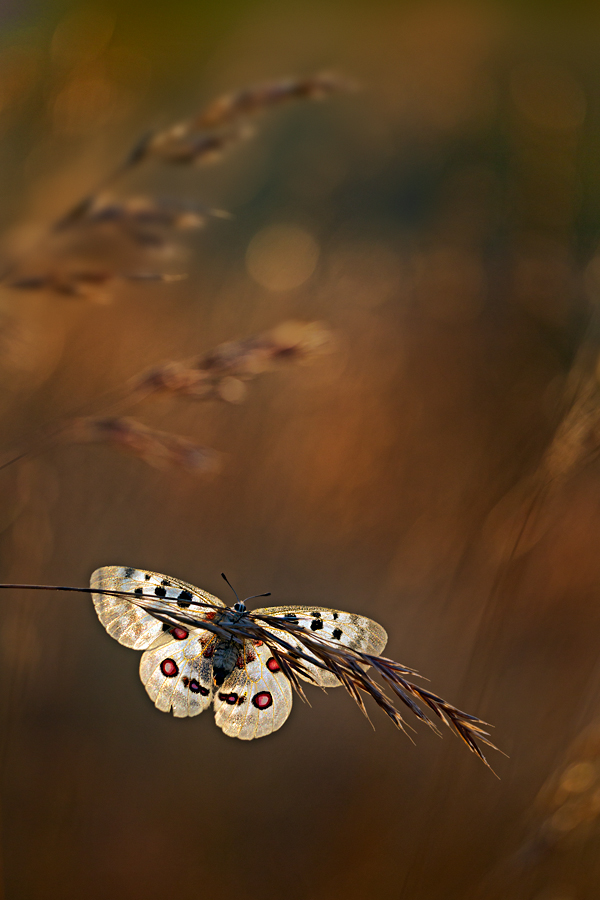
224 659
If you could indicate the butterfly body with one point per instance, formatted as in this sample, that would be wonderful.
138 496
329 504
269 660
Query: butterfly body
227 653
186 669
225 657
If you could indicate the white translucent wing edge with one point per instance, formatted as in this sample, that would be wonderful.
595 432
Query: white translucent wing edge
263 697
176 674
348 629
127 623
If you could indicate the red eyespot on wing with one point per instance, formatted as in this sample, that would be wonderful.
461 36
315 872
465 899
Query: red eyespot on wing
263 700
179 634
273 665
229 698
169 668
258 643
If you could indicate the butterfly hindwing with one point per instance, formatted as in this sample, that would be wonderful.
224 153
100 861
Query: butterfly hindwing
177 671
347 629
256 698
125 621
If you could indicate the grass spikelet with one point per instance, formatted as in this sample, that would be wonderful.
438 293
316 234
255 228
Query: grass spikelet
157 448
352 667
98 222
256 99
222 373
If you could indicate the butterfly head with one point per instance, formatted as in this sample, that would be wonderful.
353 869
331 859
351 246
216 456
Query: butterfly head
240 606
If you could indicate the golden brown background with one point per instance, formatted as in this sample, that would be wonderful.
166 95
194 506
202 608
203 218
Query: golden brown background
447 217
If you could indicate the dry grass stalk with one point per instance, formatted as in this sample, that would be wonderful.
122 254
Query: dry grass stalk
157 448
128 233
346 664
199 139
144 220
95 226
565 817
525 512
223 123
577 438
258 98
87 284
569 802
222 373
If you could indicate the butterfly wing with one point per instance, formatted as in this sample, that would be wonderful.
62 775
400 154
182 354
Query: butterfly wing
256 699
127 623
347 629
177 671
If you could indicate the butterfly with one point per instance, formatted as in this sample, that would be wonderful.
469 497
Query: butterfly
187 669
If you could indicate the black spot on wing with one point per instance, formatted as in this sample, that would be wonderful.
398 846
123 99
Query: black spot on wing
160 592
129 572
184 599
139 591
337 633
166 583
335 615
147 577
316 624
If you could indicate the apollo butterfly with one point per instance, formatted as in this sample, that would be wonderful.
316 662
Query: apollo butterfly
185 670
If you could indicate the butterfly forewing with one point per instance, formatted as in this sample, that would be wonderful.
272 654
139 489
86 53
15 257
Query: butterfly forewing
347 629
126 622
177 672
256 698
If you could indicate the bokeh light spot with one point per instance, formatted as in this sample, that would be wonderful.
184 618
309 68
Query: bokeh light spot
282 257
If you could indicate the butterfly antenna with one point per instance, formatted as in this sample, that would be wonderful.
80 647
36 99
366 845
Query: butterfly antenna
225 578
254 596
242 604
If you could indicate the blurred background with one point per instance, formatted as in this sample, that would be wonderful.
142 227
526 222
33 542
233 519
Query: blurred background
443 219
